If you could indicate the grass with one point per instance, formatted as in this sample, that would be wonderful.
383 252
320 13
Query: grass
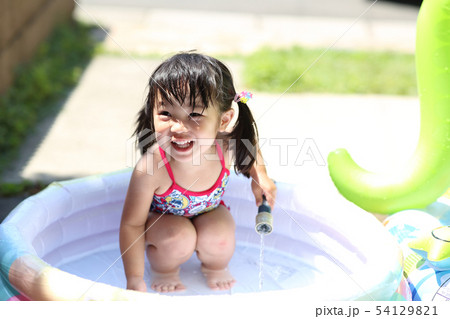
41 84
336 71
25 187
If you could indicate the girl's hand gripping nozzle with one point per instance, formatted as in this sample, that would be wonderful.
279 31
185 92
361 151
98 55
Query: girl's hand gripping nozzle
264 218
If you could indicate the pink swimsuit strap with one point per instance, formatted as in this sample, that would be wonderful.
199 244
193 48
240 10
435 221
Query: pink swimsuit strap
172 177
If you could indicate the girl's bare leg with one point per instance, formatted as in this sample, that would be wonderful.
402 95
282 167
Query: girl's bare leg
170 242
215 246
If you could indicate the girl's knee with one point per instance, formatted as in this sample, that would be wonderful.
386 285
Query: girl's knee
174 239
178 241
216 242
216 232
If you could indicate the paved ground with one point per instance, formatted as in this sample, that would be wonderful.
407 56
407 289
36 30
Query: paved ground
383 10
92 132
220 27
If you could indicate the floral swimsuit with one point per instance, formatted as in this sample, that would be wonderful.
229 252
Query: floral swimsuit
179 201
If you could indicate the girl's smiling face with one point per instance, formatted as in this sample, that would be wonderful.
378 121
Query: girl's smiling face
185 132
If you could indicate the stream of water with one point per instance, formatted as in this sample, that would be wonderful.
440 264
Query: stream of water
261 263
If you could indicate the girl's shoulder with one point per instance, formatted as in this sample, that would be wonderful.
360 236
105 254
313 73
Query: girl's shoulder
150 167
148 159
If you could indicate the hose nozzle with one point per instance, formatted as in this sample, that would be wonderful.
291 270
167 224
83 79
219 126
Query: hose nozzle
264 219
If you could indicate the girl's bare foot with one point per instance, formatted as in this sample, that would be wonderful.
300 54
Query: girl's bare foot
166 282
218 279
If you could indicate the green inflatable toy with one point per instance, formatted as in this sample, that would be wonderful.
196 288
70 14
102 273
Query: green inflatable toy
427 174
434 247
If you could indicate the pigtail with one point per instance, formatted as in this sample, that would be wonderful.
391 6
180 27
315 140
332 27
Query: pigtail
145 129
245 137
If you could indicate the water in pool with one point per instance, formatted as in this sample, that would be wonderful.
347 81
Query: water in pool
254 266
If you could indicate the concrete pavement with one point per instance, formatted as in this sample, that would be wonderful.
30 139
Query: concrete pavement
92 132
384 9
143 29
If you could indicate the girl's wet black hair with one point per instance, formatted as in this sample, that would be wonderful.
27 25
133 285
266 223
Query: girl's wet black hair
206 79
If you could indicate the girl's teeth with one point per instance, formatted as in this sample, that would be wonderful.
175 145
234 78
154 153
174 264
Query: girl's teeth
182 144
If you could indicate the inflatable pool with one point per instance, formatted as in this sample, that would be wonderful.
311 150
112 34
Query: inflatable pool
425 240
62 244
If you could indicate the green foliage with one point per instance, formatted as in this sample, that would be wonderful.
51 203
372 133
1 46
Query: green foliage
335 71
24 187
40 84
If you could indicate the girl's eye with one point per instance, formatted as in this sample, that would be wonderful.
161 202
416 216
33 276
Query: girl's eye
195 115
164 115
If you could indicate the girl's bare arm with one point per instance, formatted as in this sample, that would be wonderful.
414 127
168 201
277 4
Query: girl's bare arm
261 183
132 226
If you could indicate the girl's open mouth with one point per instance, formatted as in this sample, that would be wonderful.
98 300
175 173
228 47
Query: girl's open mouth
182 146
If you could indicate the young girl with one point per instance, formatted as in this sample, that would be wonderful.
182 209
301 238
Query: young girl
173 207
